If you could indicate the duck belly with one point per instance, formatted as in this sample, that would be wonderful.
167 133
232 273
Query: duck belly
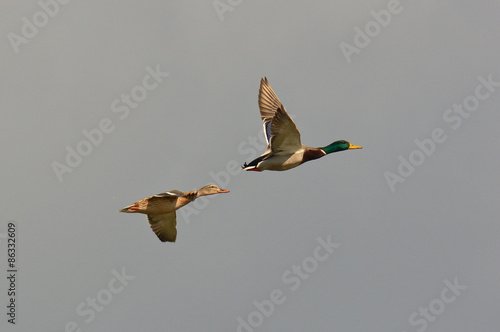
280 162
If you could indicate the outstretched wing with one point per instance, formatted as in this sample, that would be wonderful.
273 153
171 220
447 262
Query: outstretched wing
280 131
285 138
268 104
164 226
170 193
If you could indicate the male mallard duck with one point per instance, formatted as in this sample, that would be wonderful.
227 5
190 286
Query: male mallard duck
161 208
284 149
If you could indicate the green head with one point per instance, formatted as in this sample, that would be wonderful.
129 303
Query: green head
339 146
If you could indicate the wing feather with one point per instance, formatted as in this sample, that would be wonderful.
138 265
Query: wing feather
280 131
164 226
268 104
268 101
172 193
285 138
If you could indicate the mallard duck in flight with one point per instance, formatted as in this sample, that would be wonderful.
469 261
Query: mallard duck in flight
160 209
284 149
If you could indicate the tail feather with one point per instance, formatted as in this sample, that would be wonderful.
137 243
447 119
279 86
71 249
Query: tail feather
252 166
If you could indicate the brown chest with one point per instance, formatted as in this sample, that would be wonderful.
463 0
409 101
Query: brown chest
311 154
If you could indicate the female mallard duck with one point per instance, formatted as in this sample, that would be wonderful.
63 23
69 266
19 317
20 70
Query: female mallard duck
161 208
284 149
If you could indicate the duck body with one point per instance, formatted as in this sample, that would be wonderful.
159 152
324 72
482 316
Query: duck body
285 150
283 162
162 203
160 209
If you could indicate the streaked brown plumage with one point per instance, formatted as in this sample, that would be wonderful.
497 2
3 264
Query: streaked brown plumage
160 209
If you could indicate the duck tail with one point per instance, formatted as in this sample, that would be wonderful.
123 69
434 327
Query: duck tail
247 167
253 165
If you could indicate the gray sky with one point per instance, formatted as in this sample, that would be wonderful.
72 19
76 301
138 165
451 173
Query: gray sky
412 219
